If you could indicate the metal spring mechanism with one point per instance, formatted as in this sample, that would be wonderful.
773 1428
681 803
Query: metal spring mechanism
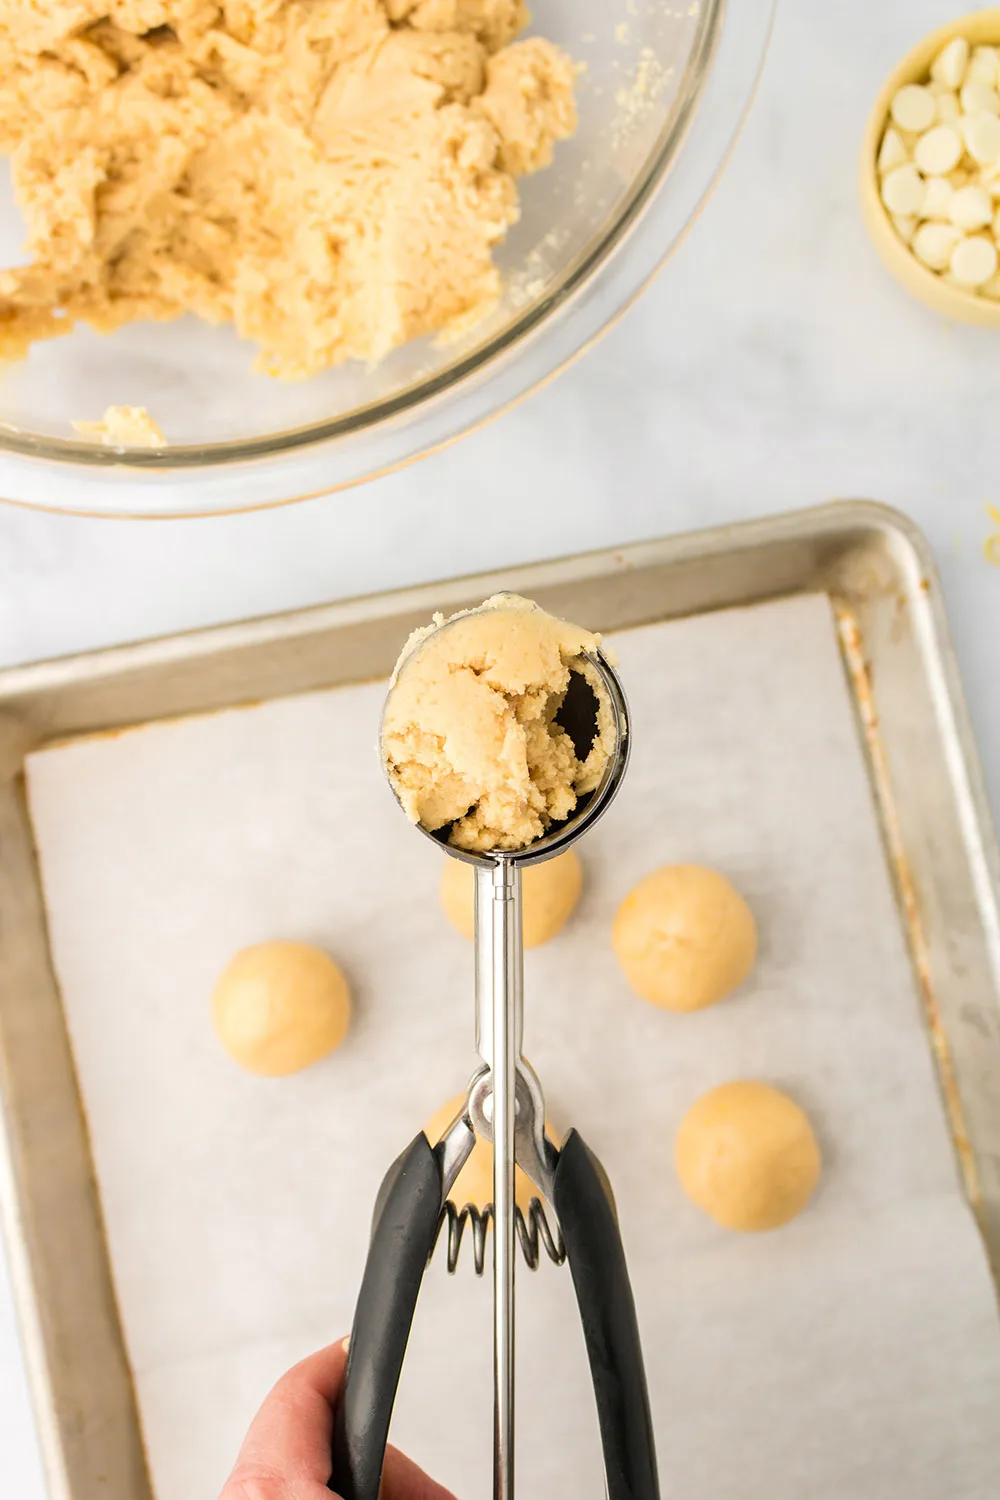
534 1233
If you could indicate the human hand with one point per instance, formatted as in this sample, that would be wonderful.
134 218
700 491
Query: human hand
286 1453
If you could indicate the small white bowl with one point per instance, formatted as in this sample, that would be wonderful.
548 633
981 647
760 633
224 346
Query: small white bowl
982 27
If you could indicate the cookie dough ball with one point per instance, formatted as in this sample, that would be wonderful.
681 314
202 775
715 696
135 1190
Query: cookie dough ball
278 1007
549 893
475 1181
684 937
746 1154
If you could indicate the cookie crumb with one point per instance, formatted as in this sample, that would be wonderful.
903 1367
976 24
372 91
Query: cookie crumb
124 427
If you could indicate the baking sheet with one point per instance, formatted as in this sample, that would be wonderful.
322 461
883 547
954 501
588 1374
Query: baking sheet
856 1351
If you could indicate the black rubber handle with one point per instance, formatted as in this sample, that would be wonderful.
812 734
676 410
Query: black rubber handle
403 1234
585 1208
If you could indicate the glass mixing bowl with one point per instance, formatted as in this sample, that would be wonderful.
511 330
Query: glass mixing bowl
663 91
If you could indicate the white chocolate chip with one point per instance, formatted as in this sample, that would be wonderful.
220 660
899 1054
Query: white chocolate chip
914 107
978 99
903 190
983 66
934 244
948 108
971 208
982 137
996 226
937 198
892 152
974 261
951 62
905 226
938 150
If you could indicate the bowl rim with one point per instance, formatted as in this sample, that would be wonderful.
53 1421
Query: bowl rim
919 280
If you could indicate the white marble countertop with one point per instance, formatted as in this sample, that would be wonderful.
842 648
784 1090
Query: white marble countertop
774 365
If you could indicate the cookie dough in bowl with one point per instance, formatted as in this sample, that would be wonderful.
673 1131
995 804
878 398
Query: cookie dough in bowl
331 176
575 257
471 738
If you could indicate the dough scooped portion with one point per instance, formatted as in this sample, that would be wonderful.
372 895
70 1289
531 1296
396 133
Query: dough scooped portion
746 1154
549 894
684 937
470 731
474 1183
280 1006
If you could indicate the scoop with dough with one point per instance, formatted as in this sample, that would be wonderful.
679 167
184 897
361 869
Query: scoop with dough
471 735
505 731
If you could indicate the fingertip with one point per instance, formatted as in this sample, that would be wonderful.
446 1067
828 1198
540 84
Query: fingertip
402 1479
291 1432
322 1372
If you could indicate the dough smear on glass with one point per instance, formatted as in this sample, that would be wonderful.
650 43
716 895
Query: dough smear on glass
470 735
124 427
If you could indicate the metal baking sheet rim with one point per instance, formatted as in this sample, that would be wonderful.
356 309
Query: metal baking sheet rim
877 569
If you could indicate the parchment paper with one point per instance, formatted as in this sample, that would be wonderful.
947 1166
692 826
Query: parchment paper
854 1353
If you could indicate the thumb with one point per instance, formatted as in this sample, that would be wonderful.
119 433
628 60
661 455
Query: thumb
402 1479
